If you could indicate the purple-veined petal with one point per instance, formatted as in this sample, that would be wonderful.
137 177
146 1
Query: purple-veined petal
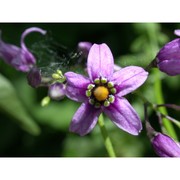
8 51
16 57
171 67
165 146
177 32
84 119
100 62
30 30
170 51
124 116
128 79
76 86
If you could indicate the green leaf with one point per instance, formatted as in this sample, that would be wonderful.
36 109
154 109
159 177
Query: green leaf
141 60
57 115
12 106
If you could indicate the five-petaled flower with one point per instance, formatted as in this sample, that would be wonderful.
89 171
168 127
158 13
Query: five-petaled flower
19 57
103 91
168 58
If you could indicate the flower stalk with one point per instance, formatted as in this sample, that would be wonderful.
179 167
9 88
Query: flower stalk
158 86
160 100
107 140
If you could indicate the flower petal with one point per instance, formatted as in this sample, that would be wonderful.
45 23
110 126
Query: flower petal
171 67
100 62
124 116
84 119
128 79
76 86
170 51
30 30
20 58
177 32
165 146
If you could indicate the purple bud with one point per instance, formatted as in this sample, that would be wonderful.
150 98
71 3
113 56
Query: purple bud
177 32
84 47
168 58
34 77
57 91
165 146
19 57
117 67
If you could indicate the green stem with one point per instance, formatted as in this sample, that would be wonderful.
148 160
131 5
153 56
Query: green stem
169 129
107 140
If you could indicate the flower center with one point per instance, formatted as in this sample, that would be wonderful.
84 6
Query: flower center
101 93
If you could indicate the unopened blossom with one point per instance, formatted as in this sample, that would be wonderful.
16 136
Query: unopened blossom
19 57
57 91
168 58
84 48
165 146
103 91
34 77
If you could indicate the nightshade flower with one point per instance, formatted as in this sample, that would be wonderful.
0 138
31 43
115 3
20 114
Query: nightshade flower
165 146
19 57
103 91
168 58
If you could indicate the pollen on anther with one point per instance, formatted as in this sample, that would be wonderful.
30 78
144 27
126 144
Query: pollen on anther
103 80
106 103
110 84
113 90
91 101
97 81
88 93
111 98
90 86
97 105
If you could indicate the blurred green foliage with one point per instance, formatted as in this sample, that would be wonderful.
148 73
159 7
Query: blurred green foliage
27 129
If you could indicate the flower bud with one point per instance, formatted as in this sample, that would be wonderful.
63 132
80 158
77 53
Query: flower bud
57 91
165 146
84 47
34 77
168 58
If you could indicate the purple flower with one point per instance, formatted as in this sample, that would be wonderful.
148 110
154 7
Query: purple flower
165 146
19 57
57 91
103 91
168 58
